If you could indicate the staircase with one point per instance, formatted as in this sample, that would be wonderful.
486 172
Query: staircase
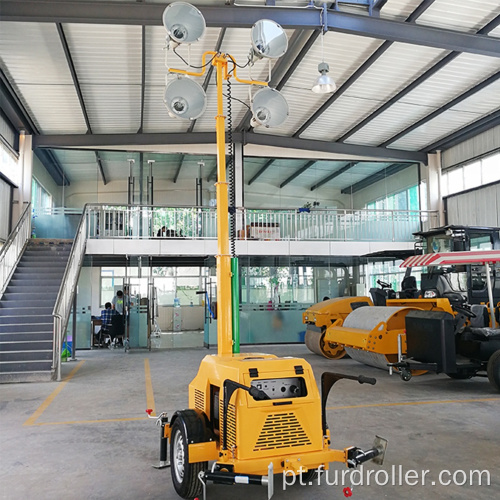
26 322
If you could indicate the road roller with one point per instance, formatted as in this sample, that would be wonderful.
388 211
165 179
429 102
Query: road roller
367 333
463 344
250 416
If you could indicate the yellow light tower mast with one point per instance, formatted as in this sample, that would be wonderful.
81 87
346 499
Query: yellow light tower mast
223 257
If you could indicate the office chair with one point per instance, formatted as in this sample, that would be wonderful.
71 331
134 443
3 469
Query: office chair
117 330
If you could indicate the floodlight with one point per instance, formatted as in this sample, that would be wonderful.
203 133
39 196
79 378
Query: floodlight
184 98
184 22
268 40
269 108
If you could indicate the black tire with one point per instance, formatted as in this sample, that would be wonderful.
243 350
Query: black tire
185 429
494 370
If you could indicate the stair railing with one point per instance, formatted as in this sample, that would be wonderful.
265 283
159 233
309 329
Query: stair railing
12 250
64 301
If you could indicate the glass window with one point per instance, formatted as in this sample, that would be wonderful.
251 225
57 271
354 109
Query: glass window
455 180
477 173
472 175
491 168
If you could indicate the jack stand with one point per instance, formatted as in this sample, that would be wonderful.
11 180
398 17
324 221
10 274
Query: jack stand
201 477
162 421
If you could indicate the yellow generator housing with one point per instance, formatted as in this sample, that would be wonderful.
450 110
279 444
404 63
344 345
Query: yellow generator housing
285 429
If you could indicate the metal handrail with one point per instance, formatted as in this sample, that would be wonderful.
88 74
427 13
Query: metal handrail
13 248
304 224
67 290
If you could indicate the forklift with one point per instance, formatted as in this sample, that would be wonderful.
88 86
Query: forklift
251 415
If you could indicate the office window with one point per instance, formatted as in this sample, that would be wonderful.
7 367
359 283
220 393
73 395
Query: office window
474 174
403 200
40 197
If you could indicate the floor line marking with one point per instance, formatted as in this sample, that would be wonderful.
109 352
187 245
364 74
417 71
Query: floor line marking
150 397
413 403
52 396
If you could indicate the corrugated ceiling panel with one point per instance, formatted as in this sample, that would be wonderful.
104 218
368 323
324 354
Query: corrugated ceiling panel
495 33
279 171
484 102
113 108
398 117
57 112
340 117
344 54
301 102
78 165
398 9
470 110
463 15
32 53
395 69
461 74
33 60
106 54
443 125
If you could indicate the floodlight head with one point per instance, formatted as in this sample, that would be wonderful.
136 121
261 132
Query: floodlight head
268 40
269 108
324 84
184 22
185 99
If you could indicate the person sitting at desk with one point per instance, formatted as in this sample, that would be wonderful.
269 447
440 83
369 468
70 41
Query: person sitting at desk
106 318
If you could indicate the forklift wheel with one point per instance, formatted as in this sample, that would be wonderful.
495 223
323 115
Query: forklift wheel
184 474
494 370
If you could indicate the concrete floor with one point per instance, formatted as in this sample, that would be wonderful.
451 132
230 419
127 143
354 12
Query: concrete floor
87 437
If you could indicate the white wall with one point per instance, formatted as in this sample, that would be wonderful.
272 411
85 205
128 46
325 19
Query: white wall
182 193
46 180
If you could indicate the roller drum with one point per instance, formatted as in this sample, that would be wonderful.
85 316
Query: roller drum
315 342
367 318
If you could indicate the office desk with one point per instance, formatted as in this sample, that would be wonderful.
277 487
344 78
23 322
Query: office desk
94 322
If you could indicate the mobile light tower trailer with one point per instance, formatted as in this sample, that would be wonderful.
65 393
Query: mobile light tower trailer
252 415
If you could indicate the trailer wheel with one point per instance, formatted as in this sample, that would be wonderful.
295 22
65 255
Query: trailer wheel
185 430
494 370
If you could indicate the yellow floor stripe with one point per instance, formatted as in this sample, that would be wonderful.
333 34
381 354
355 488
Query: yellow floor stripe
48 401
412 403
150 398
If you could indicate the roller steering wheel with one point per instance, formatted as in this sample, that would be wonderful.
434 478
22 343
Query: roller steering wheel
383 284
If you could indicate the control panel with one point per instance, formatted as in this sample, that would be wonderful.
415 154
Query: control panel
281 388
